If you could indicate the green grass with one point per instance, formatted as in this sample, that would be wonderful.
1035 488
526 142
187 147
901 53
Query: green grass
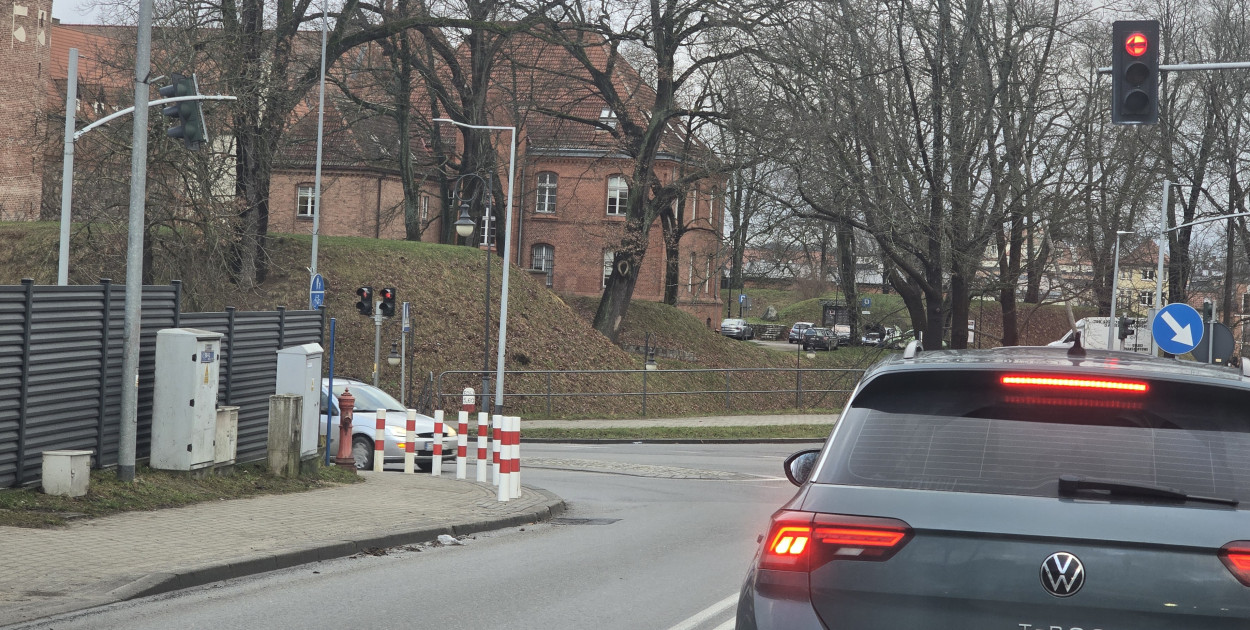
797 431
153 490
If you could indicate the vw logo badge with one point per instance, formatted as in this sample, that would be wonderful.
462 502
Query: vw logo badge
1062 574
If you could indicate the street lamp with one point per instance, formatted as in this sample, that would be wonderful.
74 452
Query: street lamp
1115 284
507 256
393 358
650 354
464 227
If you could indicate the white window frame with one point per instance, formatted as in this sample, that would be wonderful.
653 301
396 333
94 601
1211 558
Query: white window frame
1146 298
618 196
545 262
609 258
424 204
692 202
305 199
545 202
690 275
608 117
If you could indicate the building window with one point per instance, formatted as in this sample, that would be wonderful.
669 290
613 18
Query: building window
608 117
707 275
424 204
608 259
546 203
1126 274
1148 274
1146 298
304 202
543 257
618 196
1245 302
690 275
692 202
488 230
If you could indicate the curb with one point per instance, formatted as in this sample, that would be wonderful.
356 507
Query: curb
158 583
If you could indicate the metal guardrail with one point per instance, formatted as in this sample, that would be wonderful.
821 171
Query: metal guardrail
837 381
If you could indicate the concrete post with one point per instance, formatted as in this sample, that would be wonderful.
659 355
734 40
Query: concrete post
285 412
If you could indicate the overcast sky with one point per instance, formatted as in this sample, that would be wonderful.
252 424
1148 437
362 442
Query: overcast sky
74 12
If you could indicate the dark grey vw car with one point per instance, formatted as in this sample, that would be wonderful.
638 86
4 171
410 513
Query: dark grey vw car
1018 489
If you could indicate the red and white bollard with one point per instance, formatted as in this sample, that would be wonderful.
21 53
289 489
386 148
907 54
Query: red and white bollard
436 445
483 431
379 441
468 400
462 445
496 425
410 442
516 457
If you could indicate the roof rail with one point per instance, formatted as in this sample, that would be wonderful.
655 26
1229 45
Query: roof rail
913 348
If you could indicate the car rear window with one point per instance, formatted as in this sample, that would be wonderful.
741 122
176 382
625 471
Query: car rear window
966 431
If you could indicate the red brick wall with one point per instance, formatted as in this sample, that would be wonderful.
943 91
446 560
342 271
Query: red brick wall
352 204
25 56
580 231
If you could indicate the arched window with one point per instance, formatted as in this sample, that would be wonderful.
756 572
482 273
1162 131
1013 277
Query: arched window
546 193
618 195
543 257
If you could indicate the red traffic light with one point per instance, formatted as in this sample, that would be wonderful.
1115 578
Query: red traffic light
1136 44
388 294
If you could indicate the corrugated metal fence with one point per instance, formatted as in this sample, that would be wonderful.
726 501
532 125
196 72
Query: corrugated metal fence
61 363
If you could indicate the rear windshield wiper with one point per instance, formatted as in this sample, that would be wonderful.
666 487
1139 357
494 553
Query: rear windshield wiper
1071 484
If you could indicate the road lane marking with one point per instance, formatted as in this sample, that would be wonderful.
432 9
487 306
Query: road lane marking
728 625
706 613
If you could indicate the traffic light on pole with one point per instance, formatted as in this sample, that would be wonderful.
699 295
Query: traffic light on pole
1135 72
388 302
365 305
189 116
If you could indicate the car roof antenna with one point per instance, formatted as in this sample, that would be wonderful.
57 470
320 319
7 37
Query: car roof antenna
1077 351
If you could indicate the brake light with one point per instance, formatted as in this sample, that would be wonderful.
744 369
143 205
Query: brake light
1063 401
802 541
1236 556
1076 383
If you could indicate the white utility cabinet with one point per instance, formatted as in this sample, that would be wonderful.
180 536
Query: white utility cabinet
184 406
299 373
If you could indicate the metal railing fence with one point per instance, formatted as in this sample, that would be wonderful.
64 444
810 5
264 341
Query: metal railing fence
552 392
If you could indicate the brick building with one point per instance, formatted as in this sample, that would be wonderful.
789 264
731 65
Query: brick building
570 189
23 111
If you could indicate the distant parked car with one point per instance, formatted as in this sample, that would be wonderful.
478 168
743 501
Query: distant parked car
737 328
819 339
796 331
870 338
364 426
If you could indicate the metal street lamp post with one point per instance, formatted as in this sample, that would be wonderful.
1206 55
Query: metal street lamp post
1115 287
507 257
464 227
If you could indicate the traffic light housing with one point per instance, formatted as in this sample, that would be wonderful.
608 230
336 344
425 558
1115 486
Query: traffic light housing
365 305
387 307
188 114
1135 72
1124 328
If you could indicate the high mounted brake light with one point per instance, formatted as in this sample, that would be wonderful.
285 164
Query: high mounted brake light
1076 383
1236 556
802 541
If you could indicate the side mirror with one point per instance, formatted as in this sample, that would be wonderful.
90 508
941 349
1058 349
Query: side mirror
799 466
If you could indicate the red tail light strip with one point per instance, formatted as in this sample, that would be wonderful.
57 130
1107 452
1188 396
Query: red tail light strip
1069 401
1078 383
1236 556
801 541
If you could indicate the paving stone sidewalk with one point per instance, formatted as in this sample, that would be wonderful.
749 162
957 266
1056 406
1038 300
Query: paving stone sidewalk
110 559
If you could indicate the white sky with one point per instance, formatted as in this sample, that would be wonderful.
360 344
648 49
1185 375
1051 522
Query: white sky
75 12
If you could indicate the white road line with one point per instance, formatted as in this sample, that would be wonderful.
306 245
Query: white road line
728 625
706 613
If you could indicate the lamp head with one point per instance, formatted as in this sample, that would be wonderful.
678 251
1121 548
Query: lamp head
393 358
464 224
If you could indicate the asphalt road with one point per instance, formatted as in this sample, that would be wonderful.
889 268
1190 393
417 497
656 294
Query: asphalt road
656 536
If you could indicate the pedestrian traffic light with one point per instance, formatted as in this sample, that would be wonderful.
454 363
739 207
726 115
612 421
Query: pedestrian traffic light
1135 72
365 305
189 116
1124 332
387 307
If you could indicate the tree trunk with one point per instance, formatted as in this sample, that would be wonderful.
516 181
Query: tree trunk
846 275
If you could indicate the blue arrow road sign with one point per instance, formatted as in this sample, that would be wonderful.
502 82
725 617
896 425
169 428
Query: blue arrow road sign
866 302
1177 328
316 292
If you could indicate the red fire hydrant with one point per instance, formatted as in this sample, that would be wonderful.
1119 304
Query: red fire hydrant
347 403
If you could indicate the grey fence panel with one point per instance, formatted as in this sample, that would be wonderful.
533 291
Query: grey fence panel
61 369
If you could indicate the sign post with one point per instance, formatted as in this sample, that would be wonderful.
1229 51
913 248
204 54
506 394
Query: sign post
1174 326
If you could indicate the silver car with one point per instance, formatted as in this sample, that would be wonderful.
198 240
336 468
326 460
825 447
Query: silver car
364 426
1018 489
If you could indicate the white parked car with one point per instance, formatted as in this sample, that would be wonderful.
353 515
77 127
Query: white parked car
364 422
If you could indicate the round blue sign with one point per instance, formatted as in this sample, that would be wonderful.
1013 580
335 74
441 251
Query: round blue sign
1177 328
866 302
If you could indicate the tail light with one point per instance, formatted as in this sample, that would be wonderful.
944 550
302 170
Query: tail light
1236 556
1075 383
802 541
